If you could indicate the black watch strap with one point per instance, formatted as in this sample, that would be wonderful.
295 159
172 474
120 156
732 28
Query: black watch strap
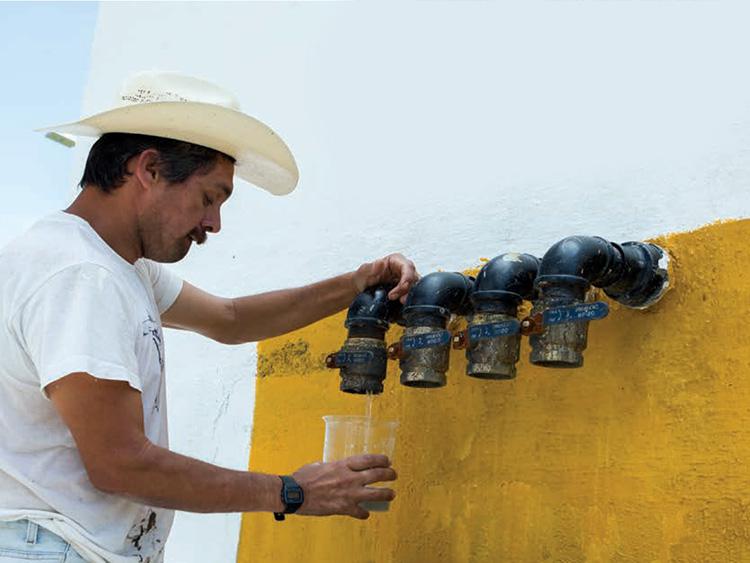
291 495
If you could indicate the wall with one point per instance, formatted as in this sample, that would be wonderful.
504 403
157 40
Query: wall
448 131
641 455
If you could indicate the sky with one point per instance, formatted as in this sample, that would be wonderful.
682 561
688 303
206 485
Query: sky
44 55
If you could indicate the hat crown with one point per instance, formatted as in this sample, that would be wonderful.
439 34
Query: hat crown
153 86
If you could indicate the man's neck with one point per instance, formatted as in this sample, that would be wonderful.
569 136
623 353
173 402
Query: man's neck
112 216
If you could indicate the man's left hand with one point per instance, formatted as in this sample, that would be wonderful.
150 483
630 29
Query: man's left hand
394 268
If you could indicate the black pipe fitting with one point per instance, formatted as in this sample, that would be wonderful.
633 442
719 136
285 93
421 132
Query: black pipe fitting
590 258
424 349
493 337
643 278
634 274
362 359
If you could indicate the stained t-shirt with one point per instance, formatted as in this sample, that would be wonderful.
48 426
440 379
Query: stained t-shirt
69 303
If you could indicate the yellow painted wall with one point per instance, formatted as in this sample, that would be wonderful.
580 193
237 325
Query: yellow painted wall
642 455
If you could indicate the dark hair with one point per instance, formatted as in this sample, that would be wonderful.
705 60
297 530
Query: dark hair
178 160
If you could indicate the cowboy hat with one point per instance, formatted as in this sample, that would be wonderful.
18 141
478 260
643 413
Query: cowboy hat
177 106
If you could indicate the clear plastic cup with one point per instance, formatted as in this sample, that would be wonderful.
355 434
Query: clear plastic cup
348 435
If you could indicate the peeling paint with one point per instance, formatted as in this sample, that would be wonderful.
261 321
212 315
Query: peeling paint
512 257
293 358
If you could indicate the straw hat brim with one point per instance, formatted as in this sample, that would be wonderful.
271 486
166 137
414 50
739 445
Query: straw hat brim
263 159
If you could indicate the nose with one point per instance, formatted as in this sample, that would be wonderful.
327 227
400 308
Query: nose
211 222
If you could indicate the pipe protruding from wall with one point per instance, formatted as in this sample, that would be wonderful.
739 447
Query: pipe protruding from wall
362 359
644 278
424 349
492 338
634 274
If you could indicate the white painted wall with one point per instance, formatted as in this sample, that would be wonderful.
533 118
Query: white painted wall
447 131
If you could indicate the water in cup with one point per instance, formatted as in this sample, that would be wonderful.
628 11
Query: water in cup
348 435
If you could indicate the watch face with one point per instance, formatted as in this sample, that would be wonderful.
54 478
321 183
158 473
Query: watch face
293 496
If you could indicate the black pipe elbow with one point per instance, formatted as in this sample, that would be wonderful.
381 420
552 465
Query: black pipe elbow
371 313
425 346
504 282
493 336
634 274
435 297
581 260
362 359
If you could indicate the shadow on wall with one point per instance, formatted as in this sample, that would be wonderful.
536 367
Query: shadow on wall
642 454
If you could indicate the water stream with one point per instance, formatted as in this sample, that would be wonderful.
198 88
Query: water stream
375 506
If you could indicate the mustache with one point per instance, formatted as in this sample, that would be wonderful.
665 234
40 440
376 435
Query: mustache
198 235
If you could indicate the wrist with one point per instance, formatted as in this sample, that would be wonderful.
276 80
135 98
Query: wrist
273 501
277 504
356 285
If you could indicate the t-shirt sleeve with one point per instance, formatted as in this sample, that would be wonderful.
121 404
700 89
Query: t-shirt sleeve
81 320
165 283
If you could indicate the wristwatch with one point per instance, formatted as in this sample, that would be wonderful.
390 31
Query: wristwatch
291 495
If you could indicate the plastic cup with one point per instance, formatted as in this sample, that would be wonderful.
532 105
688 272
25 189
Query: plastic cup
348 435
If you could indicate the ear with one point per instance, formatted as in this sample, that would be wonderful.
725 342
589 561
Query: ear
145 168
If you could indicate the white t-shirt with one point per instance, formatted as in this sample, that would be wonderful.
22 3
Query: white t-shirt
69 304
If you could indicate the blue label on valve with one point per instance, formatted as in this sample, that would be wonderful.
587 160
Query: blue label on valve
429 340
350 358
493 330
576 313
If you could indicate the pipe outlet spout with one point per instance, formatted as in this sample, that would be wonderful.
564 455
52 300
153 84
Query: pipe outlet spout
362 359
633 273
425 347
492 338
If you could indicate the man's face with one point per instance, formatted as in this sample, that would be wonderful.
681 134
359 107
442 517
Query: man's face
179 214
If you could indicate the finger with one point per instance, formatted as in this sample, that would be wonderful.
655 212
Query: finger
376 475
408 278
359 513
378 494
378 269
396 264
409 273
366 461
401 290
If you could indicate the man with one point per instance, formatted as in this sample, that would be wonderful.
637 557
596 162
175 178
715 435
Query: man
85 469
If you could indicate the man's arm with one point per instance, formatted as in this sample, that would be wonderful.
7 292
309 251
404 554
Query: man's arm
105 418
256 317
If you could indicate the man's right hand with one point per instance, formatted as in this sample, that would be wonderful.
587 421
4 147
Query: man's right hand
338 487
